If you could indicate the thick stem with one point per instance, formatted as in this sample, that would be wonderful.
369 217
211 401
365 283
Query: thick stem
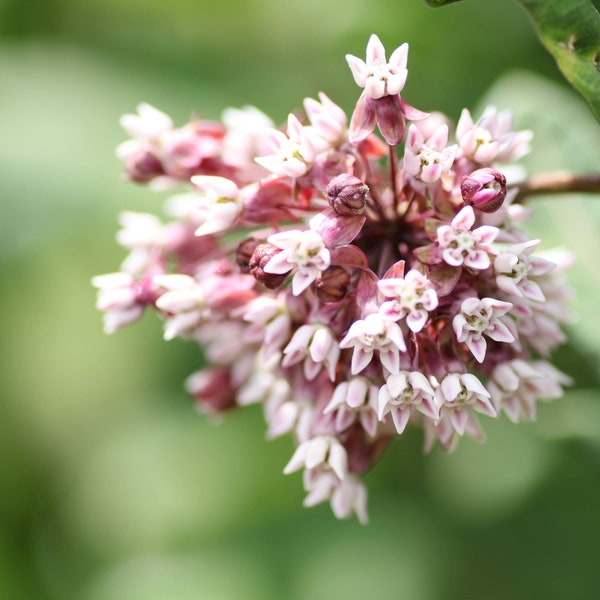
559 182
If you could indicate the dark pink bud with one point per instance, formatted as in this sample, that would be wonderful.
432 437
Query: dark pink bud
332 285
260 257
244 252
212 390
484 189
143 166
347 195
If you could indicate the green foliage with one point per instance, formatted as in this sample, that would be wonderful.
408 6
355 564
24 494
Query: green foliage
570 31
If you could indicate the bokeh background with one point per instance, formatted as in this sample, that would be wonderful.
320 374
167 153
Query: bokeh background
111 486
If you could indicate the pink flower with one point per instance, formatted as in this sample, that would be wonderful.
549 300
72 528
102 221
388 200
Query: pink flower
371 334
482 317
346 496
320 451
490 139
427 160
461 246
302 251
413 298
377 76
403 392
219 206
315 346
300 260
292 154
355 399
514 266
457 394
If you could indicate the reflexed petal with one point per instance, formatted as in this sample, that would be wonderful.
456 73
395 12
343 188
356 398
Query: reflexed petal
400 417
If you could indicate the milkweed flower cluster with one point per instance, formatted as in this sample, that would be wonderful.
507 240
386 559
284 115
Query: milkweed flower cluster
350 289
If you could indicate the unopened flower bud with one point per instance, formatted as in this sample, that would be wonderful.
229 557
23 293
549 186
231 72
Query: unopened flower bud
260 257
484 189
244 252
143 166
332 285
347 195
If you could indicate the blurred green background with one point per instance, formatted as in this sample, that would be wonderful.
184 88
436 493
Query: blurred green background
112 487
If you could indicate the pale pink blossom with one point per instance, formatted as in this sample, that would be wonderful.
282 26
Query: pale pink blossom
304 252
516 387
150 123
316 347
374 334
403 392
491 139
378 76
412 297
117 299
461 246
320 451
514 267
346 496
457 394
428 159
291 155
328 122
219 205
479 317
183 304
355 399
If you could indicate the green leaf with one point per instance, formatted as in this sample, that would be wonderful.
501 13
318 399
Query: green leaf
570 31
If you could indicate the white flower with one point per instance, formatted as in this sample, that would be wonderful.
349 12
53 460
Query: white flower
183 304
413 298
328 123
462 246
352 399
428 160
482 317
377 76
302 251
292 154
346 496
245 129
219 206
374 333
459 392
316 346
516 386
150 123
490 139
402 392
320 451
117 298
514 266
143 234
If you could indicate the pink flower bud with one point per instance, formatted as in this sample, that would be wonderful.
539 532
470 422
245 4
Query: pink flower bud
332 285
347 195
484 189
143 165
244 252
260 257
